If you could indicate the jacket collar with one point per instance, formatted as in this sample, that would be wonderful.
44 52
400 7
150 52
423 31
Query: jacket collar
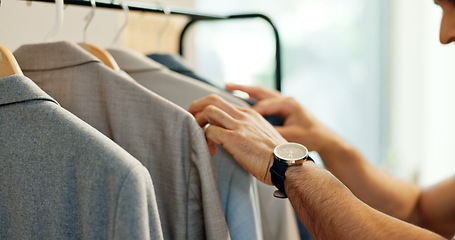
131 61
17 89
174 62
49 56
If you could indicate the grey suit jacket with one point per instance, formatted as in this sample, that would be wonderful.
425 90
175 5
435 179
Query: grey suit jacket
237 187
165 82
164 137
62 179
239 199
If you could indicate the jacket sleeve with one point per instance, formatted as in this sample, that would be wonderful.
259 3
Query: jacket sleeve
137 214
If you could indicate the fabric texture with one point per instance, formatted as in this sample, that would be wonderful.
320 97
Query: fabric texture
283 224
237 187
165 82
164 137
62 179
177 64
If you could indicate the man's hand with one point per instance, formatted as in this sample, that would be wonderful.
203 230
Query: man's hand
299 125
242 132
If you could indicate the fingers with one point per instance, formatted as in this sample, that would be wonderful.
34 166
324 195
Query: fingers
242 132
212 147
215 134
254 154
258 93
276 106
216 111
199 105
215 116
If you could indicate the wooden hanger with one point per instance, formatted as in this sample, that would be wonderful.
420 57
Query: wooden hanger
101 54
96 51
8 63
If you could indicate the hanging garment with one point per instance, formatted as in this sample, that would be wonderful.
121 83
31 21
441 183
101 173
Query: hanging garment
177 64
165 138
166 82
237 187
279 221
62 179
284 224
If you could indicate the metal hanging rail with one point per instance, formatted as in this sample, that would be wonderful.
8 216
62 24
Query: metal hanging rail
244 16
194 17
143 7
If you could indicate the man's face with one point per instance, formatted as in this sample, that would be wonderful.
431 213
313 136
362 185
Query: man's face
447 33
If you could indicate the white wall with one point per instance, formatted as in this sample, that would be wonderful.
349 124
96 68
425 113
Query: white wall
421 100
22 24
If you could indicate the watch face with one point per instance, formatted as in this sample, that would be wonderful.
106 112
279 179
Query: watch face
291 151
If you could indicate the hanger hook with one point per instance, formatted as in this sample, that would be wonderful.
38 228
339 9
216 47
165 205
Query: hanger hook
89 19
126 10
167 12
59 21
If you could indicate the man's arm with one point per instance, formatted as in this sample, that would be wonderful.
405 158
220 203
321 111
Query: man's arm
330 211
432 208
373 186
323 203
436 208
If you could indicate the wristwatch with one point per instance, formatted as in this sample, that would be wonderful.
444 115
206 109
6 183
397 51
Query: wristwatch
286 154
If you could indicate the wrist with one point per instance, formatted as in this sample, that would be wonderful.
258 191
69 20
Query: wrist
300 169
337 152
286 156
268 175
330 143
271 158
334 144
298 176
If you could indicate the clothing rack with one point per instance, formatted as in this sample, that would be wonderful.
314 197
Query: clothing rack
194 18
244 16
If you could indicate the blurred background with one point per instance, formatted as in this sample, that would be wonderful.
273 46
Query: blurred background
374 71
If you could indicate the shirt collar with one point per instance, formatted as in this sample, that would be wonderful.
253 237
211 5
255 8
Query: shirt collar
48 56
18 88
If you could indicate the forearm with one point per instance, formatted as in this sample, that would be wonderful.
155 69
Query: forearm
371 185
330 211
436 208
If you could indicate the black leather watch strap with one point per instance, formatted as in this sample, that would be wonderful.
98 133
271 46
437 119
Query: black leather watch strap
278 171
